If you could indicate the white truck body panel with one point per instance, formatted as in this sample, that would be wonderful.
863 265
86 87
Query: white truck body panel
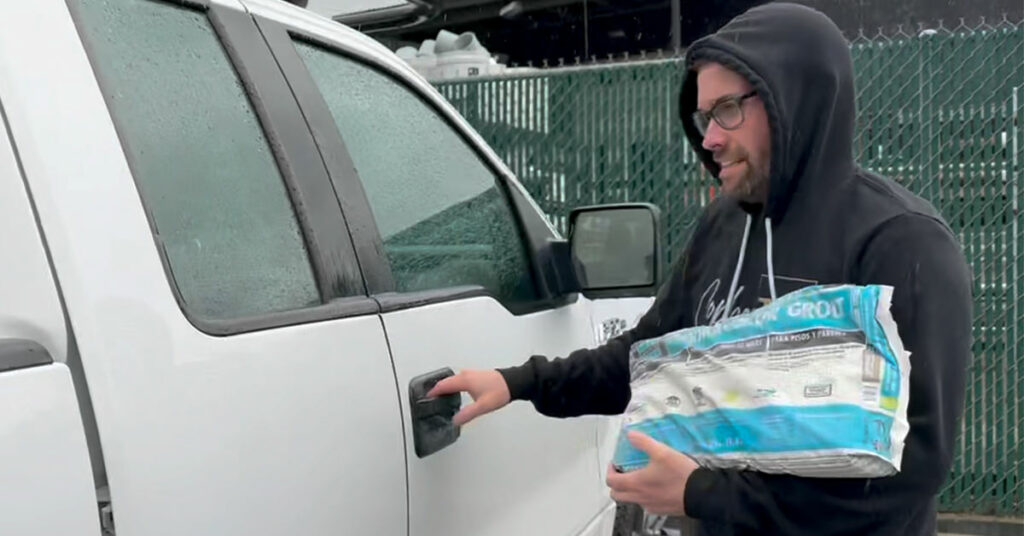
301 429
263 433
541 474
45 482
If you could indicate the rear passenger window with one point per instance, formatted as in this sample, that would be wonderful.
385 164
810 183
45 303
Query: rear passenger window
443 218
200 158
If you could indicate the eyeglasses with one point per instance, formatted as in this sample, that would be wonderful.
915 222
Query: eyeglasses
728 113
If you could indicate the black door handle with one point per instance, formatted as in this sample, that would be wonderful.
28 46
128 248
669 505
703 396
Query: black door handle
432 428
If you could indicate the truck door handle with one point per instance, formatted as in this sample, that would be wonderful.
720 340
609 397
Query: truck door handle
432 427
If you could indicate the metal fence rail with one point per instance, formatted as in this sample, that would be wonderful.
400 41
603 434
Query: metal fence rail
940 110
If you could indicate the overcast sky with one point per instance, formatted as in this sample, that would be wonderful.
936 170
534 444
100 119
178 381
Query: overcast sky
336 7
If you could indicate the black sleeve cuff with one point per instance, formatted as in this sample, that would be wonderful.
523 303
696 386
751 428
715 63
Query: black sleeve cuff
521 381
699 500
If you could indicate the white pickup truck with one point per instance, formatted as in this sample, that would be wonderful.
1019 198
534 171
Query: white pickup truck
239 241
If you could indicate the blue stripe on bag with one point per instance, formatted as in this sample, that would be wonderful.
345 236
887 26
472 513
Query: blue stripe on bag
769 429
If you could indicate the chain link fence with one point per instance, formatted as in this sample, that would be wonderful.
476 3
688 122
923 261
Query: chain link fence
941 110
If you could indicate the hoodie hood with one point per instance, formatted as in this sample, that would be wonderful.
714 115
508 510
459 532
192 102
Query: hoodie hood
800 64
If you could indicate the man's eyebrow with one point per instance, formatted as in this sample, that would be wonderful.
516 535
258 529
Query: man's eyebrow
718 101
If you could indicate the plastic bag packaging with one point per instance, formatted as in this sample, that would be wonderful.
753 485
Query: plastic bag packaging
814 384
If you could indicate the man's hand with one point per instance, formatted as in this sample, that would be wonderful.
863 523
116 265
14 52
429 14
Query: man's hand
660 486
487 387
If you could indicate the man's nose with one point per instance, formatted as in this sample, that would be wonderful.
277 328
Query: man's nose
714 137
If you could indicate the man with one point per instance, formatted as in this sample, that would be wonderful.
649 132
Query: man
768 103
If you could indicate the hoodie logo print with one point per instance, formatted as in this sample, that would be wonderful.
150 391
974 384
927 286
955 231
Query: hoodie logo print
710 311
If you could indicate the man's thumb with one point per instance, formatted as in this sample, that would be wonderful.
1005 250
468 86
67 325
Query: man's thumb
644 442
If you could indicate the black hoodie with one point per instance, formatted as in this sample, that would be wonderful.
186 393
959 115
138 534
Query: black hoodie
830 222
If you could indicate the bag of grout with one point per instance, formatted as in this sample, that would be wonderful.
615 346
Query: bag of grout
814 384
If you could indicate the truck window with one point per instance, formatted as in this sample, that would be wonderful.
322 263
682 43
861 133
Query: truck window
216 198
443 218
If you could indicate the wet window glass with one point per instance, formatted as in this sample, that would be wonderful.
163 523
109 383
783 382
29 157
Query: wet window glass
443 218
201 160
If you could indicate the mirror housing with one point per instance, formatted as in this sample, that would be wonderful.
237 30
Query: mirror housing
556 262
616 249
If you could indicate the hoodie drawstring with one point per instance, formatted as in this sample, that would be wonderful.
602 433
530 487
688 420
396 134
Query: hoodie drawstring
771 268
731 297
736 274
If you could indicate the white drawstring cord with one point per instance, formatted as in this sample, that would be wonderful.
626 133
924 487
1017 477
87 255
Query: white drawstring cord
731 297
771 268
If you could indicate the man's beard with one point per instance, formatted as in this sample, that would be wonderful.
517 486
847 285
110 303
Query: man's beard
752 187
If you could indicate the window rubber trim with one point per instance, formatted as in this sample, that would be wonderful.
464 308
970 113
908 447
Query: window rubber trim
348 188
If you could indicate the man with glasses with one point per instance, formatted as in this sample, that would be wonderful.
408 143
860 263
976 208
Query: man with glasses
743 163
768 105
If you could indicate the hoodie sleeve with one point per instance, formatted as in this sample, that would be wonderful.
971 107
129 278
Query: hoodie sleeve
596 381
920 258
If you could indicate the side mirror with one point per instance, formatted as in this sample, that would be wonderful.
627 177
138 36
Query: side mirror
616 249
